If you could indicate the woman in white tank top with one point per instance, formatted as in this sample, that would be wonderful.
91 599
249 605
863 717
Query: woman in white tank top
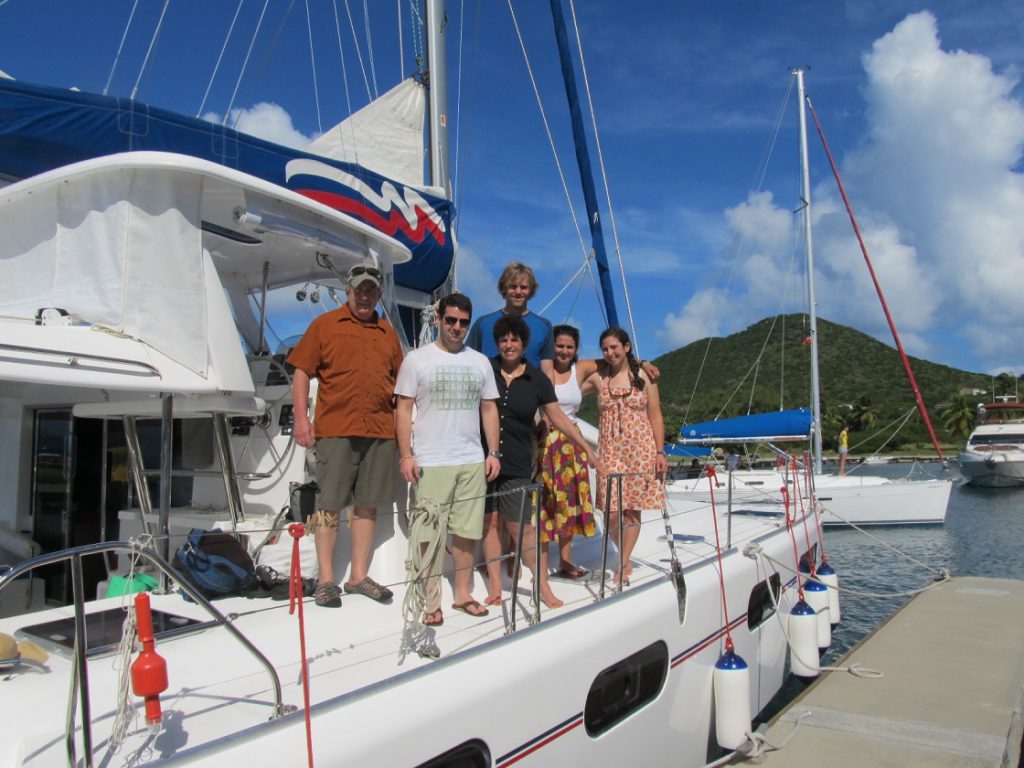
567 507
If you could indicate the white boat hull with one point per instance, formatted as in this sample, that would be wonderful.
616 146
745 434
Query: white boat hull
993 469
846 500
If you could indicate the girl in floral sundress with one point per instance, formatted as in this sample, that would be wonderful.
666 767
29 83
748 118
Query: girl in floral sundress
632 441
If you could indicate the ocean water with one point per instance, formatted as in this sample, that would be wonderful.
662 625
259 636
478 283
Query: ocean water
982 536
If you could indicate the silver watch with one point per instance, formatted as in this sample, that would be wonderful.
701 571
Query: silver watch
494 454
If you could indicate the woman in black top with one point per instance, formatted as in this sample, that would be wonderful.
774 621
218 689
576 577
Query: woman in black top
522 390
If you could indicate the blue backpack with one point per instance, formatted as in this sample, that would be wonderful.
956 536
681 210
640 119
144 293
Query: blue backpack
215 563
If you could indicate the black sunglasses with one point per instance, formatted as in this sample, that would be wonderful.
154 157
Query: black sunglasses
462 322
371 271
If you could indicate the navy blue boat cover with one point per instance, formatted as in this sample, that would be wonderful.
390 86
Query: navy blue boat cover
42 128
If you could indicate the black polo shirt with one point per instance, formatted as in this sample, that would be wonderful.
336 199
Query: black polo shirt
517 408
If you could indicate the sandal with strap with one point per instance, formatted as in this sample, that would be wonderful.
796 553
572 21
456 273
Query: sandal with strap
327 595
370 589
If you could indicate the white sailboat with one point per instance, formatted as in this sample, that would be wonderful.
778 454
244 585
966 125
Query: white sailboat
135 286
859 499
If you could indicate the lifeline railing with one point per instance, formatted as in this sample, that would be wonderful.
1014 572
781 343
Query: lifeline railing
80 670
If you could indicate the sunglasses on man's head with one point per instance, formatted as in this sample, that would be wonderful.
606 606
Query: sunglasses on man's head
371 271
462 322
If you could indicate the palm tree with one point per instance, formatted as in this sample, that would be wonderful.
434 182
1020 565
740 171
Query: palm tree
959 418
864 414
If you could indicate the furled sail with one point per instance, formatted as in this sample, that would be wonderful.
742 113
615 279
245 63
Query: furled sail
385 136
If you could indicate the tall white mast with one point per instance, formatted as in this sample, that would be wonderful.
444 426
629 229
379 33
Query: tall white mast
805 183
437 119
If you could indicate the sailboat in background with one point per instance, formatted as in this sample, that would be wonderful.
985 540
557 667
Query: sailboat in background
134 315
858 499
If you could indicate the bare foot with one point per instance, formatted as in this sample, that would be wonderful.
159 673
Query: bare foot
493 599
548 598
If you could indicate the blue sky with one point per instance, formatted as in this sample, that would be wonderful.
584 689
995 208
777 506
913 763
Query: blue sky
921 104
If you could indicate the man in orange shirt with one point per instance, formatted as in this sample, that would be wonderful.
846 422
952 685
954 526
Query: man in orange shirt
355 354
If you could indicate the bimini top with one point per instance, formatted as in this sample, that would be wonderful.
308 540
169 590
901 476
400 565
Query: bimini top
43 128
117 271
776 426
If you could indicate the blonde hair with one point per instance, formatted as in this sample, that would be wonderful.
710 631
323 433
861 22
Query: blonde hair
514 271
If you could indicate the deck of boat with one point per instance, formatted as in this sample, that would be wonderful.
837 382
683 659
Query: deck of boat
952 692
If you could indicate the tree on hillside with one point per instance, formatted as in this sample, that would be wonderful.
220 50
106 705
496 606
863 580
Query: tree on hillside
864 415
1005 384
959 417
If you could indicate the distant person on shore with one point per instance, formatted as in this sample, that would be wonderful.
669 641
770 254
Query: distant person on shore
844 448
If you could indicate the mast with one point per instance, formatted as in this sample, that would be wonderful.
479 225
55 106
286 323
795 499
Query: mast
437 90
805 194
583 162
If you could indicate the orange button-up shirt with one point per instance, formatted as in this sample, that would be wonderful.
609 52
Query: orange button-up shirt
356 364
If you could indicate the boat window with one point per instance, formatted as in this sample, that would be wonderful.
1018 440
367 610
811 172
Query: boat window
1004 437
623 688
471 754
761 607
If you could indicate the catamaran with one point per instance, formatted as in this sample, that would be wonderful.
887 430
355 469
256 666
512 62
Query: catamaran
140 399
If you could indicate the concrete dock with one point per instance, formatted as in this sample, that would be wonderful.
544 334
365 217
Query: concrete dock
952 692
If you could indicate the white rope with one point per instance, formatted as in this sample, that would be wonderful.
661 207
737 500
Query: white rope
152 45
604 179
754 550
125 712
220 57
312 66
551 141
428 526
245 64
120 48
359 52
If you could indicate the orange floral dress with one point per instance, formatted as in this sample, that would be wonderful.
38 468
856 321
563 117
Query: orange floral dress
627 445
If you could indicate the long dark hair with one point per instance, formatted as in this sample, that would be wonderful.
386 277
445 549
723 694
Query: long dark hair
570 331
634 364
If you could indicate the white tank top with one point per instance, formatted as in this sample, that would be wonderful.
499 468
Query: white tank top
569 395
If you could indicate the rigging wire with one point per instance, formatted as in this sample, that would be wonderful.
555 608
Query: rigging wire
459 169
359 52
369 47
245 63
152 45
344 70
554 151
604 180
312 66
738 244
120 48
220 58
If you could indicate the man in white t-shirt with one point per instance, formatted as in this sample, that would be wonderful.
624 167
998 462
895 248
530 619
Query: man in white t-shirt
453 389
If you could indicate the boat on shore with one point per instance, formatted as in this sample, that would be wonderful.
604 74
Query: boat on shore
140 399
994 454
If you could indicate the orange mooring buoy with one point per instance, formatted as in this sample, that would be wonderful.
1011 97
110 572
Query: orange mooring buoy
149 671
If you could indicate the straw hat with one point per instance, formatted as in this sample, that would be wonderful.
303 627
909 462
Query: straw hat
11 651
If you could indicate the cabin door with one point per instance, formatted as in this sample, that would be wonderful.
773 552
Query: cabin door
67 496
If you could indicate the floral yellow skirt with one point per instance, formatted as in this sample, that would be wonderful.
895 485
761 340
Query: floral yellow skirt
566 506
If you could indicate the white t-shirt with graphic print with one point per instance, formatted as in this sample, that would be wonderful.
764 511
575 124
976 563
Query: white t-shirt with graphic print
447 388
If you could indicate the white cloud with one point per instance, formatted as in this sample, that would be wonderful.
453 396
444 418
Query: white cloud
938 201
265 120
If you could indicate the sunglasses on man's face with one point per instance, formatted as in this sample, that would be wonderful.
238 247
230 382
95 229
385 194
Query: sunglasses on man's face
462 322
371 271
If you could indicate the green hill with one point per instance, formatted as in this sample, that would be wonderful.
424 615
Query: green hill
767 366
